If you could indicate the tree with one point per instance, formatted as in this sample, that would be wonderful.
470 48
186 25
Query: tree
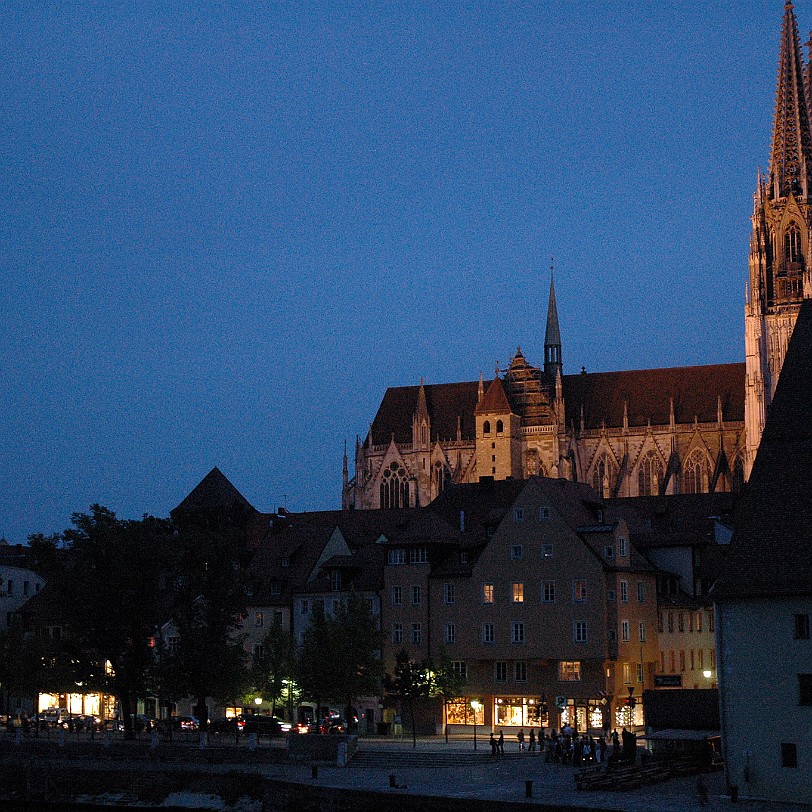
273 667
410 681
208 601
112 590
447 683
339 658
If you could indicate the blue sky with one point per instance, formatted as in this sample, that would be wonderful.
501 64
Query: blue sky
227 228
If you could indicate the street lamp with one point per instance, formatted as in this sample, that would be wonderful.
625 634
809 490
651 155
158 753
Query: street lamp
707 673
476 706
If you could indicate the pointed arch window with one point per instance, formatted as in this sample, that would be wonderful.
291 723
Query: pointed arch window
738 475
604 476
500 426
486 427
440 478
792 244
394 487
696 473
650 475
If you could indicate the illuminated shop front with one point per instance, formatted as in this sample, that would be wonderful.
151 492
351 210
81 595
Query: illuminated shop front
90 704
519 711
584 714
460 712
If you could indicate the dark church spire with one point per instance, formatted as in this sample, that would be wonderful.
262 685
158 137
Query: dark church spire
791 153
552 338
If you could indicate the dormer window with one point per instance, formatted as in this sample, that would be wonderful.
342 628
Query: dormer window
621 547
335 580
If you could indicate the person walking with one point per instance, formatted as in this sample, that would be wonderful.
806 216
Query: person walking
520 738
494 745
532 747
501 742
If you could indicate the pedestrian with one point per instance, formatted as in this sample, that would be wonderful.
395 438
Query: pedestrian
520 737
702 790
532 747
501 742
494 745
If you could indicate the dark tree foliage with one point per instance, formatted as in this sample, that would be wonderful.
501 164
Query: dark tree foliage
112 604
409 681
273 668
208 604
339 659
47 556
446 683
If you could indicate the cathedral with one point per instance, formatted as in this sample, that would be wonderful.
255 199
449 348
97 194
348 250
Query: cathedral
633 433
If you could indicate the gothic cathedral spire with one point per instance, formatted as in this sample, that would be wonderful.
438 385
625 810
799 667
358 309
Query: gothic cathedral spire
780 267
552 336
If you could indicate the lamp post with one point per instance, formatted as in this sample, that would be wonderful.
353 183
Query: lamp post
476 706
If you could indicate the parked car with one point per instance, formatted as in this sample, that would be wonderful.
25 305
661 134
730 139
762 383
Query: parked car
85 723
142 722
55 717
175 723
264 725
233 725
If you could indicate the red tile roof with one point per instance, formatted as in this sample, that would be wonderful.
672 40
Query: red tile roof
495 400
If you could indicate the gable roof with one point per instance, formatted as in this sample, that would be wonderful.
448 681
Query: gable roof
213 493
770 552
495 400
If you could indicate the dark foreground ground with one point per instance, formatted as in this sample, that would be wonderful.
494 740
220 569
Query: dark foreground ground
434 775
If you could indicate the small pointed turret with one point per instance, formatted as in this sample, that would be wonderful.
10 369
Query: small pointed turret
791 153
552 337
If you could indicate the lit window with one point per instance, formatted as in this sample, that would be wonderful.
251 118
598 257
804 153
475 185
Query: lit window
520 671
487 632
450 633
417 634
448 593
397 633
579 592
579 631
259 619
487 593
627 673
569 671
500 671
517 631
518 593
397 595
548 592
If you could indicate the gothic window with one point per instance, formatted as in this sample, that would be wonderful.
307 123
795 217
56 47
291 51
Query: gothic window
738 475
500 426
792 244
486 427
440 478
604 476
695 473
394 487
650 475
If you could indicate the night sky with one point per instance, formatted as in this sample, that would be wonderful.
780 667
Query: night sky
227 228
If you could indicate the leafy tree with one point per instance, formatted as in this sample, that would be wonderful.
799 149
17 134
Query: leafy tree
112 590
446 683
339 659
208 602
410 681
272 669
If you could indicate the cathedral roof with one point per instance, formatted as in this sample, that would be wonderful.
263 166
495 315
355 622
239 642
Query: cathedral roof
770 554
214 494
648 392
444 402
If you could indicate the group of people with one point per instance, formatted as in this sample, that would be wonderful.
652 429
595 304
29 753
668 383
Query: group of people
569 748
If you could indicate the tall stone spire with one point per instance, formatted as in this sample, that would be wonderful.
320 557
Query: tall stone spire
791 153
552 337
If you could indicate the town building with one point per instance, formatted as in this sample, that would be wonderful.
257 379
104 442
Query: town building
764 599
